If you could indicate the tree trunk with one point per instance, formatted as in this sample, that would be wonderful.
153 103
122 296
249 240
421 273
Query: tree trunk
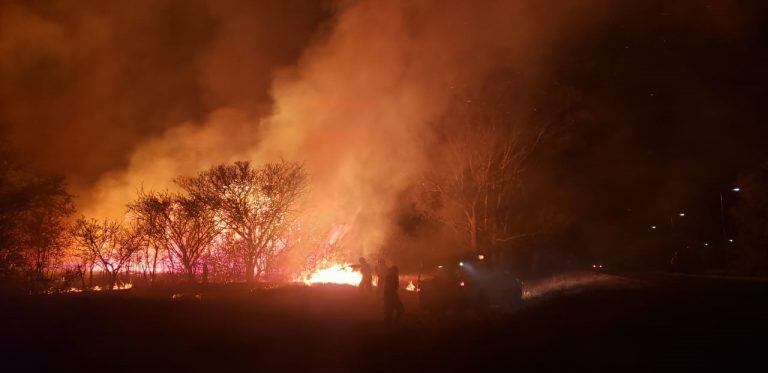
154 267
81 272
249 265
112 279
191 274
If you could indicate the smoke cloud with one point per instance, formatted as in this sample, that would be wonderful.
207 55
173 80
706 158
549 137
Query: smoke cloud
118 96
82 84
359 107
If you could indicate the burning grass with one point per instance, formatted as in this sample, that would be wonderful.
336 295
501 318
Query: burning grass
117 286
343 274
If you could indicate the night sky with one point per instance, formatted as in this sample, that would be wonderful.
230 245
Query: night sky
676 90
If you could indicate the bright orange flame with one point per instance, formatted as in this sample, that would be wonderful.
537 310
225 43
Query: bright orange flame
122 286
411 286
117 286
332 274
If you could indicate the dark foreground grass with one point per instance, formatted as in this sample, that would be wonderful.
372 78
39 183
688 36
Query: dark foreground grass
676 324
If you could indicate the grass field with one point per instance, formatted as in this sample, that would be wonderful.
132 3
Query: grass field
598 322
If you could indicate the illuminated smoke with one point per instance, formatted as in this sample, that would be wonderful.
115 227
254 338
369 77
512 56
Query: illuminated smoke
360 105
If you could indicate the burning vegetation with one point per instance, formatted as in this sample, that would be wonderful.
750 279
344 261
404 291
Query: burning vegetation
332 274
229 222
393 130
389 148
384 185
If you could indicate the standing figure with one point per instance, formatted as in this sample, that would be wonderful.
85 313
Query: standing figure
381 274
392 302
366 281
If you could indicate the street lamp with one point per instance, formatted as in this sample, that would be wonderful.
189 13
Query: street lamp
735 189
672 218
723 222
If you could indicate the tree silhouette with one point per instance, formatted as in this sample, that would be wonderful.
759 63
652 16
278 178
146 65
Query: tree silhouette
255 204
111 244
34 210
183 226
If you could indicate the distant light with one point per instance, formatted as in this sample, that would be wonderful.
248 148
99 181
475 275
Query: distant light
730 240
681 214
481 257
736 189
461 264
440 267
461 283
706 244
653 227
594 266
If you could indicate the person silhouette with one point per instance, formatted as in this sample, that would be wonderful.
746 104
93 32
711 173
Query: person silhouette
366 281
392 302
381 274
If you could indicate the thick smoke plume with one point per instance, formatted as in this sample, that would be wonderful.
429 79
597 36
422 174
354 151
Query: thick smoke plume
360 106
118 96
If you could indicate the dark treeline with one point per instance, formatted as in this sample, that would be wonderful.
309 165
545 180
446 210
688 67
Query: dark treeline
34 210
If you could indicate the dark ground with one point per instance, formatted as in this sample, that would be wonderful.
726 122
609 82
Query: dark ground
667 323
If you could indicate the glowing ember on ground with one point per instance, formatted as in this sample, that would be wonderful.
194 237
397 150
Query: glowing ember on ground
59 291
119 286
410 286
122 286
332 274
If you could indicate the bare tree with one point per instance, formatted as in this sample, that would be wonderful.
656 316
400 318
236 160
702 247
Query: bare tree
146 213
255 204
85 263
148 258
483 171
184 226
109 243
484 152
225 258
